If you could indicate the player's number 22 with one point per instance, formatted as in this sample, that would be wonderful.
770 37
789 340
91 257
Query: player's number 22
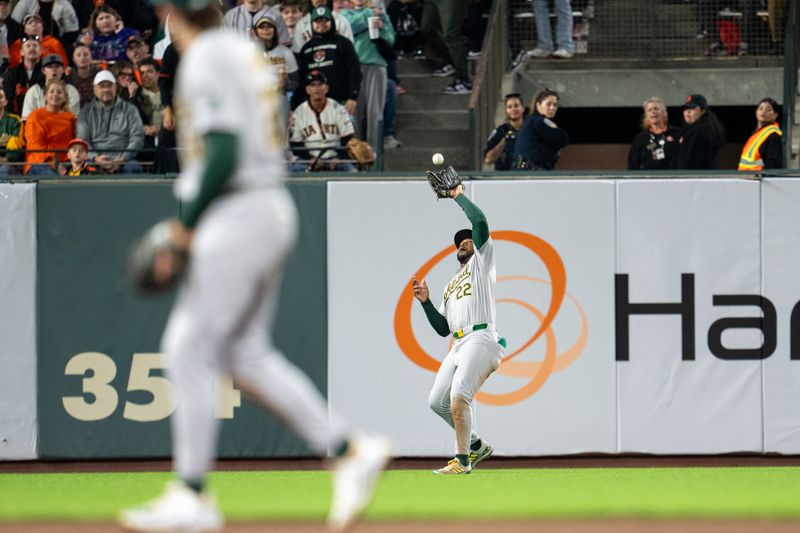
99 370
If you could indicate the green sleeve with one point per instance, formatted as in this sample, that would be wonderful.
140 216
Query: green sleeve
218 167
436 319
480 228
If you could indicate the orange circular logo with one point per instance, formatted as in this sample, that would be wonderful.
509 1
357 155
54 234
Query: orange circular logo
535 373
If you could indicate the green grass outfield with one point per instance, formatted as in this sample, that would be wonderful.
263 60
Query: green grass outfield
752 492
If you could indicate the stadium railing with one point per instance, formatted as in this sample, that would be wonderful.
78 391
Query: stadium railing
487 82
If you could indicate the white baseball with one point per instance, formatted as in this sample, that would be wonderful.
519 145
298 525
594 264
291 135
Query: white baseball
437 158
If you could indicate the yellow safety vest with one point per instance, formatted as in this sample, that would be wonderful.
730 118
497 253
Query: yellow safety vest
751 153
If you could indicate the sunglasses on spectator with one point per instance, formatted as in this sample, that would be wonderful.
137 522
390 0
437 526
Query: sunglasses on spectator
31 38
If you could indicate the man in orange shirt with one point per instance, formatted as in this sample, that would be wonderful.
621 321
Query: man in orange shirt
32 27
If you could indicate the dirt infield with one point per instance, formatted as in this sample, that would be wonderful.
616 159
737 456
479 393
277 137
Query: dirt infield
494 526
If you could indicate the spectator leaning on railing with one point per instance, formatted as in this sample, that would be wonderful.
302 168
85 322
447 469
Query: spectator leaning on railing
112 127
78 154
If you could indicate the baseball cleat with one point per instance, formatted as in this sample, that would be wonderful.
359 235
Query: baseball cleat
454 466
178 509
354 479
479 455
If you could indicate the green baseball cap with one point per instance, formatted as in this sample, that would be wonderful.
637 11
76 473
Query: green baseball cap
188 5
321 12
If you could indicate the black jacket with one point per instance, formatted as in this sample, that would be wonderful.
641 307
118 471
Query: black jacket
651 151
539 143
16 83
335 56
506 158
697 148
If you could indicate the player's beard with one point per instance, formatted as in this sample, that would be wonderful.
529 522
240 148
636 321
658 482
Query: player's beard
463 256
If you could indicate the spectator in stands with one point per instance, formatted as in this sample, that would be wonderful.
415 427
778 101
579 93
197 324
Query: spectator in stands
166 153
334 56
48 131
319 130
19 79
137 50
107 36
406 17
112 127
304 30
654 147
266 34
138 14
565 46
291 13
32 28
58 17
10 31
372 95
243 17
151 101
707 12
10 127
501 146
78 155
540 140
441 25
764 148
52 69
83 73
701 138
475 26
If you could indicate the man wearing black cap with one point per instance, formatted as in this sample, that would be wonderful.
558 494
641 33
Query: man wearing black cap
333 55
701 137
52 69
320 122
468 314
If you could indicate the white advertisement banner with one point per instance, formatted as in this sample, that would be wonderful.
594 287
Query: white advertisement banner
643 316
781 253
555 393
18 422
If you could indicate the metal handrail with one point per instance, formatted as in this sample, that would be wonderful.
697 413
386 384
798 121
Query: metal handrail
790 64
488 80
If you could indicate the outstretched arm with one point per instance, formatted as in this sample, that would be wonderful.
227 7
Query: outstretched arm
437 321
480 228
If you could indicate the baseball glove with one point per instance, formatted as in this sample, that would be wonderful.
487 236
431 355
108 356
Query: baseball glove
155 250
444 181
360 151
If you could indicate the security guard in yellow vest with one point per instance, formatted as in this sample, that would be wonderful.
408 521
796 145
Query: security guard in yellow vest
764 149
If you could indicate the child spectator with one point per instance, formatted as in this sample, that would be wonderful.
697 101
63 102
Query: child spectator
32 28
78 155
138 14
107 36
84 72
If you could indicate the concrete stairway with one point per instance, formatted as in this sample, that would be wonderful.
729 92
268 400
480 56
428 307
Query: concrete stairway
428 121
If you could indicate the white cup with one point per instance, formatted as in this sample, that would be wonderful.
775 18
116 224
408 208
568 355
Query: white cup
374 30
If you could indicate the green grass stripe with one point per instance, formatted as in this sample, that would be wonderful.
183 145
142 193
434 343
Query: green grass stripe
769 492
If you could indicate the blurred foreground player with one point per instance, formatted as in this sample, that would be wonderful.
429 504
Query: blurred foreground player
231 185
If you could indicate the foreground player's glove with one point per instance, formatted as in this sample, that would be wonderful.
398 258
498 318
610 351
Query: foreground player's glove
444 181
153 252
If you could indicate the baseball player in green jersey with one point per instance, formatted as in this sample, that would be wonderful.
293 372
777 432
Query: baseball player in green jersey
238 225
467 313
